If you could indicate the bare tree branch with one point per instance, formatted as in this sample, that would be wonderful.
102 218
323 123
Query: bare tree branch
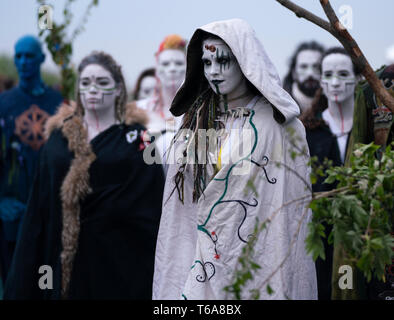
302 13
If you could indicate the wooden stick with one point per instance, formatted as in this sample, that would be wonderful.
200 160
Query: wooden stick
302 13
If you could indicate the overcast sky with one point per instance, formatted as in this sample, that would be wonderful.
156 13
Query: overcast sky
131 30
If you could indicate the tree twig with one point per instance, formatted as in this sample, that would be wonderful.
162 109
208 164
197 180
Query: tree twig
303 13
326 194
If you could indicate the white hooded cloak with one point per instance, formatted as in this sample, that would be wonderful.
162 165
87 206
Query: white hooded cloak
199 244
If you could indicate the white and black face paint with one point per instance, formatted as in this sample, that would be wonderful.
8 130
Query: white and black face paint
171 68
97 88
147 87
338 78
221 68
307 71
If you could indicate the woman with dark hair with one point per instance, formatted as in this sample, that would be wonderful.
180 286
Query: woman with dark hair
146 85
328 125
233 169
92 219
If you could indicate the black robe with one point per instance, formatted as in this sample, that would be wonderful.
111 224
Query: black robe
323 144
119 222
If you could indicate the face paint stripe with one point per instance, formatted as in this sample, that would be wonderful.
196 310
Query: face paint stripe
221 71
97 88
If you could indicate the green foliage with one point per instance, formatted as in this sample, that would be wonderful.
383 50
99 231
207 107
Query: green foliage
360 210
7 67
60 46
50 78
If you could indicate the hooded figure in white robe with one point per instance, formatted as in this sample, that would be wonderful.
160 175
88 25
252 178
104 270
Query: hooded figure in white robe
202 234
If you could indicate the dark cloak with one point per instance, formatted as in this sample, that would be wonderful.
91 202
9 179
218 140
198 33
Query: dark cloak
119 221
322 144
22 119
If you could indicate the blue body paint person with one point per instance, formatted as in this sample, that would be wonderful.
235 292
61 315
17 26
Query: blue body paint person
28 59
23 112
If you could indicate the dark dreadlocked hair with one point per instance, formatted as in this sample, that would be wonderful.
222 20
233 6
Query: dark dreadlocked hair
201 115
108 63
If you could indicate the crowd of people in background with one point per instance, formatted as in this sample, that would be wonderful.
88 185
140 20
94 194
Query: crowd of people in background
78 194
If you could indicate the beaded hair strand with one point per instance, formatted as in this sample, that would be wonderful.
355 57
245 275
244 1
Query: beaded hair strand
201 115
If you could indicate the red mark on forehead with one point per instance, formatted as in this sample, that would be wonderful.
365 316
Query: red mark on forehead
211 48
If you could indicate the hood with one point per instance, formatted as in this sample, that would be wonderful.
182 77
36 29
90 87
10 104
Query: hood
253 61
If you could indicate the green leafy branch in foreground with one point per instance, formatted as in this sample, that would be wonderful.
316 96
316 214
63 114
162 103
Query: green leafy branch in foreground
360 211
359 208
61 47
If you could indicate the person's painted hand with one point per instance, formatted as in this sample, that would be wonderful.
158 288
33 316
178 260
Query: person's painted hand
11 209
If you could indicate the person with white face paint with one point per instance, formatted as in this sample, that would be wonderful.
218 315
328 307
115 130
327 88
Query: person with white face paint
224 74
331 117
328 124
303 78
338 83
95 206
98 93
170 73
372 123
171 67
146 85
233 134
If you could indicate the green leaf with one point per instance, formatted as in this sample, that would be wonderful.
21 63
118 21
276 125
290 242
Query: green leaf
330 179
254 266
313 178
377 243
365 261
255 294
269 290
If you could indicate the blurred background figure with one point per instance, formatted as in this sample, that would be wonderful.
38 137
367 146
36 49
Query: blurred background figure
23 112
146 85
390 54
302 79
328 124
170 73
